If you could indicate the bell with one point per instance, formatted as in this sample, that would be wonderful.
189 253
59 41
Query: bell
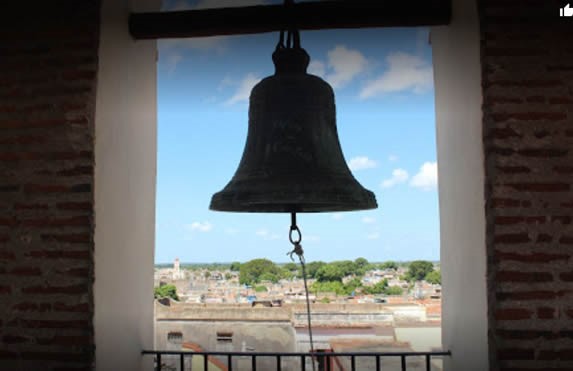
292 160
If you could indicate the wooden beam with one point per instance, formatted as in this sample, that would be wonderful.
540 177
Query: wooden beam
305 16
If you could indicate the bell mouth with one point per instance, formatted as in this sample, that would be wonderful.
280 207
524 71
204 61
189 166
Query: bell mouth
281 196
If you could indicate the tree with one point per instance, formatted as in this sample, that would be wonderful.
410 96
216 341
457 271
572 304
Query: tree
330 272
331 286
348 267
313 267
235 266
293 267
434 277
389 265
361 266
165 291
417 270
255 270
378 288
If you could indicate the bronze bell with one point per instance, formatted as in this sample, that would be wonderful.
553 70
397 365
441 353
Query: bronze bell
292 161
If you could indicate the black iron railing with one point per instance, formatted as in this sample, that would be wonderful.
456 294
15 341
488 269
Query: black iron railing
324 361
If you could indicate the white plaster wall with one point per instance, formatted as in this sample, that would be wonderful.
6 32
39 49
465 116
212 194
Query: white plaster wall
457 79
125 172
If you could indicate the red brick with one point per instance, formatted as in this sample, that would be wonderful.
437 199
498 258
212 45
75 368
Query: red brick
5 289
544 238
514 52
543 152
563 354
45 188
512 314
513 169
75 272
32 307
14 339
29 323
78 75
525 334
60 222
515 276
25 271
546 313
526 83
54 356
6 254
28 124
75 205
71 289
22 206
58 254
502 203
566 240
68 238
491 100
529 116
511 238
515 354
531 258
503 133
62 307
76 171
563 169
540 187
66 340
569 312
529 295
535 99
503 220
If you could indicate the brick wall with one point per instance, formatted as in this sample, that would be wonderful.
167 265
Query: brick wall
48 64
527 74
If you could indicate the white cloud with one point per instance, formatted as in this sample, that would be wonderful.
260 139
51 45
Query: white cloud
398 176
317 68
392 158
373 236
406 72
346 64
244 90
311 238
368 220
361 163
172 61
200 226
337 216
427 177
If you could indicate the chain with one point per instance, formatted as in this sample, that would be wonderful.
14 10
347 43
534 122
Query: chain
300 253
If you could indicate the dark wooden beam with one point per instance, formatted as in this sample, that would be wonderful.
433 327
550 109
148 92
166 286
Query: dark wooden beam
305 16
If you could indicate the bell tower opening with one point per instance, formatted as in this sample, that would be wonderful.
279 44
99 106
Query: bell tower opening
382 81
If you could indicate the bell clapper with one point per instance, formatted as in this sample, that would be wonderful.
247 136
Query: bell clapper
297 249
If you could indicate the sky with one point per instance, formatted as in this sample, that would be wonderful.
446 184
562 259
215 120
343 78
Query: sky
383 84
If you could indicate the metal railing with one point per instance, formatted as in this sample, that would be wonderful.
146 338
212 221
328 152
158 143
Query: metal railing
325 361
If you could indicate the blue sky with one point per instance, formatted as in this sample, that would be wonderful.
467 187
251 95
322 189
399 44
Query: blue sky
382 80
